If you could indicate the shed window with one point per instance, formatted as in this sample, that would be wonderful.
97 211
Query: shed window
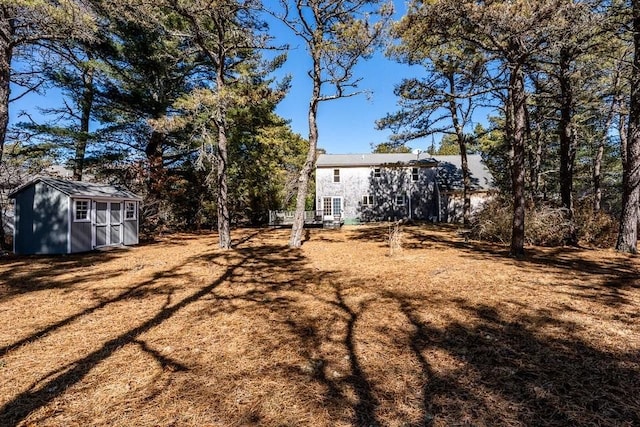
81 209
129 210
336 175
377 172
367 200
400 200
415 174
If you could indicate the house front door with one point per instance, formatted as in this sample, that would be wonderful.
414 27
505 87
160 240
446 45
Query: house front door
108 223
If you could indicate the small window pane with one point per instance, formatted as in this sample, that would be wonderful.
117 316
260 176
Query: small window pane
101 213
377 173
115 213
336 175
415 174
400 200
82 210
130 210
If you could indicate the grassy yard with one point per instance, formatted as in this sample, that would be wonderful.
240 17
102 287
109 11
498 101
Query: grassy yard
340 333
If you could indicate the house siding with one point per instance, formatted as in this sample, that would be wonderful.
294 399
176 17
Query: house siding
419 198
453 205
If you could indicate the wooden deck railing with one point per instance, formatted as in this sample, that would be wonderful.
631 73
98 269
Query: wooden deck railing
310 218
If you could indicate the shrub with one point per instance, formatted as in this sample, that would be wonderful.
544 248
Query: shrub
395 238
545 225
599 229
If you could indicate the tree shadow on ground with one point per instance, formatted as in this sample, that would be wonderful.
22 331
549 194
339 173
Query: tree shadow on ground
364 353
32 273
257 276
607 279
22 274
509 373
57 381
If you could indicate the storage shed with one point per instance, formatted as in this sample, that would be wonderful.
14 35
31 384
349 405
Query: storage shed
55 216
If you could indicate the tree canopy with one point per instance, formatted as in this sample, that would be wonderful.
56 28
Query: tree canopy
177 99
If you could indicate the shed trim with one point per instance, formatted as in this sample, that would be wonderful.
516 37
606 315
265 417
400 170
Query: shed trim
75 201
81 189
70 215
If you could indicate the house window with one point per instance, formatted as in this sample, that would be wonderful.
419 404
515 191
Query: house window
367 200
415 174
129 210
81 209
400 200
377 172
336 175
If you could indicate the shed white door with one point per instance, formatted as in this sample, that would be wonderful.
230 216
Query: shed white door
108 223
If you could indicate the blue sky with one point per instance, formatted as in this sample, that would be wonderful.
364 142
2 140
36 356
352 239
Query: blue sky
345 125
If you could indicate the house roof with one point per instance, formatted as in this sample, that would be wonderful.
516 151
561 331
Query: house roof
449 167
372 159
81 189
450 172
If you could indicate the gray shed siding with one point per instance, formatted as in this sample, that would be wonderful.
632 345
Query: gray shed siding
41 221
44 219
131 228
23 221
80 236
419 198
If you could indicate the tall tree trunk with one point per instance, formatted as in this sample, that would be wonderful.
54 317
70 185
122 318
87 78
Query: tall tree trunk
86 105
224 219
295 240
566 135
597 179
6 54
462 144
597 160
155 156
628 232
518 101
537 162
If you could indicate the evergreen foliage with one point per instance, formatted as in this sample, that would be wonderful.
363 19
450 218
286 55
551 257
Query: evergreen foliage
176 100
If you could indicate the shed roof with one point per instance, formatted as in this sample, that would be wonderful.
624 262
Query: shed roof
81 189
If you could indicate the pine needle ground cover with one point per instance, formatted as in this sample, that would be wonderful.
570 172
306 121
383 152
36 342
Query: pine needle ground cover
340 333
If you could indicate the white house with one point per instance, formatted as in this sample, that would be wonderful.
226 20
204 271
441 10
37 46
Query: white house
377 187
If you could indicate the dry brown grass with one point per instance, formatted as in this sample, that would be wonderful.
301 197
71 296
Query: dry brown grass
339 333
